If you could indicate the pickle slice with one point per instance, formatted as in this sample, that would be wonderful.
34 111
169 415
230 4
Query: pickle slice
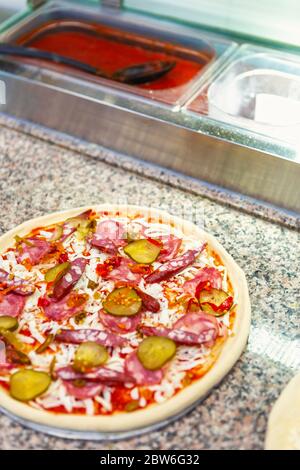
18 357
8 323
84 228
154 351
12 340
89 355
42 347
52 368
92 284
28 384
80 317
57 233
123 302
132 406
142 251
74 221
20 240
215 301
57 272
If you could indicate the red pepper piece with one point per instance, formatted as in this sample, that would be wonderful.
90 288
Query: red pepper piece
43 302
108 265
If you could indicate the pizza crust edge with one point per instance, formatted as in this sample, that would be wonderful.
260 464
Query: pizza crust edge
284 420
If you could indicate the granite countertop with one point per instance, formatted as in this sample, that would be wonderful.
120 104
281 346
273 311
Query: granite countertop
38 177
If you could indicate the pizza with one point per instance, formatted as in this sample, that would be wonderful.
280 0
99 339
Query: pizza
115 317
283 432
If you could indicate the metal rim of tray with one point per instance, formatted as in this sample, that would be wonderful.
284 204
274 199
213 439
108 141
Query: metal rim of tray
95 435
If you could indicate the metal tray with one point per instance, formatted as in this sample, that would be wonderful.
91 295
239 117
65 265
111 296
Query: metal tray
150 35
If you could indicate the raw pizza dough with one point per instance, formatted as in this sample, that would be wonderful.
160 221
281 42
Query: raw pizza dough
184 399
284 422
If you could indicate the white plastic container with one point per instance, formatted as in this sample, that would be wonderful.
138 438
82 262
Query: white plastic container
259 91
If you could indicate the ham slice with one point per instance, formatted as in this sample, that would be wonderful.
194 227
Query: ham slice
12 304
171 245
172 267
191 329
140 375
62 309
34 251
211 275
16 285
88 390
100 374
68 281
81 335
109 236
120 325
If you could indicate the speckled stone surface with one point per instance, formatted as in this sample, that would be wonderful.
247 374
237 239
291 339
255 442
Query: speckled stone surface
174 179
38 177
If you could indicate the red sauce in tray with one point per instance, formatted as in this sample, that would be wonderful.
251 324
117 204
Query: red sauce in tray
110 49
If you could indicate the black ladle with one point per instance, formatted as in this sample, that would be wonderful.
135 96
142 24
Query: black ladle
133 75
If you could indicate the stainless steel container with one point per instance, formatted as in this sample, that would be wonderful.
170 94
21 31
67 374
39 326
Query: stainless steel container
173 132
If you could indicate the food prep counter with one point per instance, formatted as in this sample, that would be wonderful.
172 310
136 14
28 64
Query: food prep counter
42 171
204 141
242 144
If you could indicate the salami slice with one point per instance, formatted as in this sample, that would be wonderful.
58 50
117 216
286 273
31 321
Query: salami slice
171 245
34 251
13 356
211 275
16 285
79 336
140 375
120 325
149 302
88 390
172 267
5 368
191 329
179 336
68 281
62 309
109 236
100 374
2 352
199 324
123 273
12 304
